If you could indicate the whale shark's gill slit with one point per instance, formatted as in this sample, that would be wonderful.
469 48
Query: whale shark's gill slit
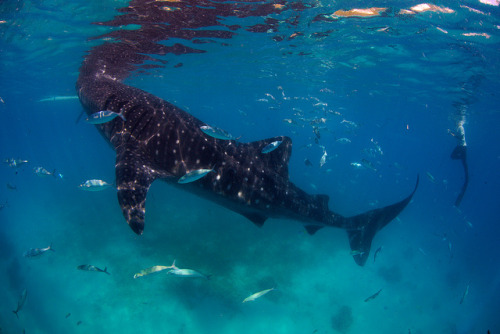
141 120
108 101
120 105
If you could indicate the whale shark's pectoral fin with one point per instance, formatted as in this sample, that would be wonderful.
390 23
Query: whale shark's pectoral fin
256 218
312 229
133 179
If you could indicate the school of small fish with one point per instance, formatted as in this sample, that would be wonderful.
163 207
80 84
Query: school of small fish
319 117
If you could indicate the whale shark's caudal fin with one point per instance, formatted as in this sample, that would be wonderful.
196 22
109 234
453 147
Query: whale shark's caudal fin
133 179
367 224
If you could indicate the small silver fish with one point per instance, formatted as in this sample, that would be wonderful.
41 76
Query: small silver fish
94 185
368 164
349 124
217 133
186 272
322 161
378 149
15 163
89 267
269 95
272 146
430 177
20 302
194 175
343 140
466 292
256 295
104 116
42 172
373 296
33 252
356 165
290 121
376 253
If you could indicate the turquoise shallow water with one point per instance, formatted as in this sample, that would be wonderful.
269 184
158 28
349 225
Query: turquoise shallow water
394 85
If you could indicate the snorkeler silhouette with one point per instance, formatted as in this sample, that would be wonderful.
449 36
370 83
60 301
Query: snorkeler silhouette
460 153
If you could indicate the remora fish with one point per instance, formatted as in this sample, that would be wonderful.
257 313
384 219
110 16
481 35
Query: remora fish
89 267
20 302
32 252
94 185
104 116
256 295
58 98
271 147
217 133
162 141
194 175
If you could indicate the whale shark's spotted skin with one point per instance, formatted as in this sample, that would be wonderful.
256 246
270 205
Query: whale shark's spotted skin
160 141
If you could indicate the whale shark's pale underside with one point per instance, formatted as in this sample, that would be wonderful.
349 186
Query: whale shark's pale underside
160 141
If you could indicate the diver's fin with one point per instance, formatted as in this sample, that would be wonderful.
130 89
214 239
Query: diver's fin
256 218
311 229
367 224
459 153
133 179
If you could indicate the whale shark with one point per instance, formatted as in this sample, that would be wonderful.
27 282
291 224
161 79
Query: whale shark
159 140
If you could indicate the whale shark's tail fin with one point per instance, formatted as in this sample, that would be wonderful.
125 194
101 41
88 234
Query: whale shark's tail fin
367 224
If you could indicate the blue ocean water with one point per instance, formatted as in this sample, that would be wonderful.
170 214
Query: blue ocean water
390 89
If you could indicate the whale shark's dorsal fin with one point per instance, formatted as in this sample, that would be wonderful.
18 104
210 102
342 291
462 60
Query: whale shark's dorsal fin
133 179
